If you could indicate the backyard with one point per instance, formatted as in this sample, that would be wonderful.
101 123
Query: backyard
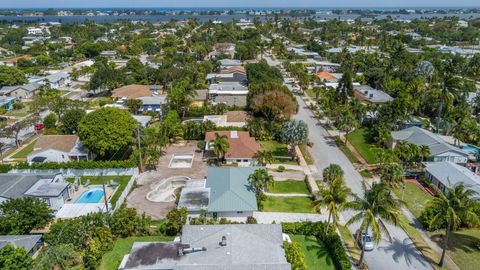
288 204
112 259
316 254
122 181
289 186
279 151
358 139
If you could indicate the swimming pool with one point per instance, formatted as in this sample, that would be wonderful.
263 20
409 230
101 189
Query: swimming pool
470 148
93 195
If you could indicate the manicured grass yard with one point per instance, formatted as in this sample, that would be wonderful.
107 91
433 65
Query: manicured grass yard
278 149
112 259
289 186
23 153
17 113
288 204
316 254
346 151
463 248
98 180
359 141
414 197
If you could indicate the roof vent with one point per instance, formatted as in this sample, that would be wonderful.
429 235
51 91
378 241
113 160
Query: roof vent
223 243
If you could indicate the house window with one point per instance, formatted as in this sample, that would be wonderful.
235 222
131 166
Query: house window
239 212
245 160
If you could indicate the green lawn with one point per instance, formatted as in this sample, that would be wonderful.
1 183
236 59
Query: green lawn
414 197
464 248
289 186
23 153
112 259
366 174
278 150
288 204
346 151
98 180
17 113
316 254
306 154
359 141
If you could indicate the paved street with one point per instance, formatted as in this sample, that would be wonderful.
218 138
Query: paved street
401 253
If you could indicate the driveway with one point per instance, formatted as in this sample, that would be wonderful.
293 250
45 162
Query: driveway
401 253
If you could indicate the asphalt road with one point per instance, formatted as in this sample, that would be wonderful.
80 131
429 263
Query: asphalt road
401 253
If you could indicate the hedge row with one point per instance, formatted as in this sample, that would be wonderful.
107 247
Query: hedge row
332 240
83 164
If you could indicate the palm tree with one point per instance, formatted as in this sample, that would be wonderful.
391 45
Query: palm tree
334 197
260 180
220 146
376 207
332 172
455 204
264 157
393 175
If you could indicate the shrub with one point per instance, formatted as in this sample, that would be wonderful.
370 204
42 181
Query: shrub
426 217
50 120
251 220
281 168
82 164
176 218
294 255
18 106
337 252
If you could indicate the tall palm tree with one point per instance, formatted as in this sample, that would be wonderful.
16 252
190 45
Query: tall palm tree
376 207
455 204
220 146
333 197
393 175
260 180
264 157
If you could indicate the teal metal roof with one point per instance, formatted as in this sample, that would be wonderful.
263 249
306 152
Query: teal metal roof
230 190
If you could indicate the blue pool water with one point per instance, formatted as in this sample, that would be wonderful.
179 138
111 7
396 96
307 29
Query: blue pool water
470 148
93 195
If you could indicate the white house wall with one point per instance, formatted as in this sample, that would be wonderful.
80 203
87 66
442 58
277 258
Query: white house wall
450 156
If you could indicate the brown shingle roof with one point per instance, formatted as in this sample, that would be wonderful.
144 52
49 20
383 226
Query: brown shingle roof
135 91
243 146
325 75
15 59
234 69
237 116
63 143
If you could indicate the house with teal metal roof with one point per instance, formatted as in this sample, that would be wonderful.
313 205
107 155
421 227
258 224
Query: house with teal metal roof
230 195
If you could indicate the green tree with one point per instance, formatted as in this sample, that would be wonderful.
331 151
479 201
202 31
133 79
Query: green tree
346 122
220 146
50 121
134 105
295 256
274 106
264 157
176 218
345 87
11 76
332 172
70 120
294 133
455 205
20 216
393 175
106 131
14 258
260 180
126 222
334 197
375 207
56 257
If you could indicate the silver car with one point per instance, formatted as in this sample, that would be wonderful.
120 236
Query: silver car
366 242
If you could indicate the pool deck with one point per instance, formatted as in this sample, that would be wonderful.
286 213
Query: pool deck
137 198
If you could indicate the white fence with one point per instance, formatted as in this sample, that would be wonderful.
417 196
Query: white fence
125 192
80 172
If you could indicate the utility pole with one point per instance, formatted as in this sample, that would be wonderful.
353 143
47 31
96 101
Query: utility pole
104 193
139 147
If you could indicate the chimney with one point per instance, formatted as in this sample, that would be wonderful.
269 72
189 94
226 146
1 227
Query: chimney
224 241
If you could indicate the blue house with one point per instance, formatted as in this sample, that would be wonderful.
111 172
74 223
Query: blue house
152 104
7 102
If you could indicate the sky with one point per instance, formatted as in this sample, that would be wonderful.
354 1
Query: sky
232 3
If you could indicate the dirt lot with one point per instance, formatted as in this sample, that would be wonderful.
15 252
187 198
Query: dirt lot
146 180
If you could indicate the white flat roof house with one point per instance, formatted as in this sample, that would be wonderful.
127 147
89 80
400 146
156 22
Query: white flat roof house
58 148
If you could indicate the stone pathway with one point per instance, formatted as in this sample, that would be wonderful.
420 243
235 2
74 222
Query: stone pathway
270 217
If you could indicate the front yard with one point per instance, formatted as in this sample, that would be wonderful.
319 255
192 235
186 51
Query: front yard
289 186
316 254
414 197
279 150
122 181
288 204
25 151
358 139
112 259
464 248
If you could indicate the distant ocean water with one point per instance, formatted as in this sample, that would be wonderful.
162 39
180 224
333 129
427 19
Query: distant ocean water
224 18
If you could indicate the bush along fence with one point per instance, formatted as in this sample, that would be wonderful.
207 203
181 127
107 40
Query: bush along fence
83 164
80 172
331 240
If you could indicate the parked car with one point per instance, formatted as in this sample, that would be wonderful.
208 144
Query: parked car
366 242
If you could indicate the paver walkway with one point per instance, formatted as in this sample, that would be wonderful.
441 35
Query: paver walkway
270 217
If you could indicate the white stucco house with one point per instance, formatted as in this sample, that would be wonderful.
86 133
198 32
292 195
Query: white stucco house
58 148
241 151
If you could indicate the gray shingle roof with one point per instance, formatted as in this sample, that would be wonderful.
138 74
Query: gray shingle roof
230 189
420 136
249 246
25 241
14 186
31 87
449 174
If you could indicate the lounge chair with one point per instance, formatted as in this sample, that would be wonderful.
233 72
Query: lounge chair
112 183
87 183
